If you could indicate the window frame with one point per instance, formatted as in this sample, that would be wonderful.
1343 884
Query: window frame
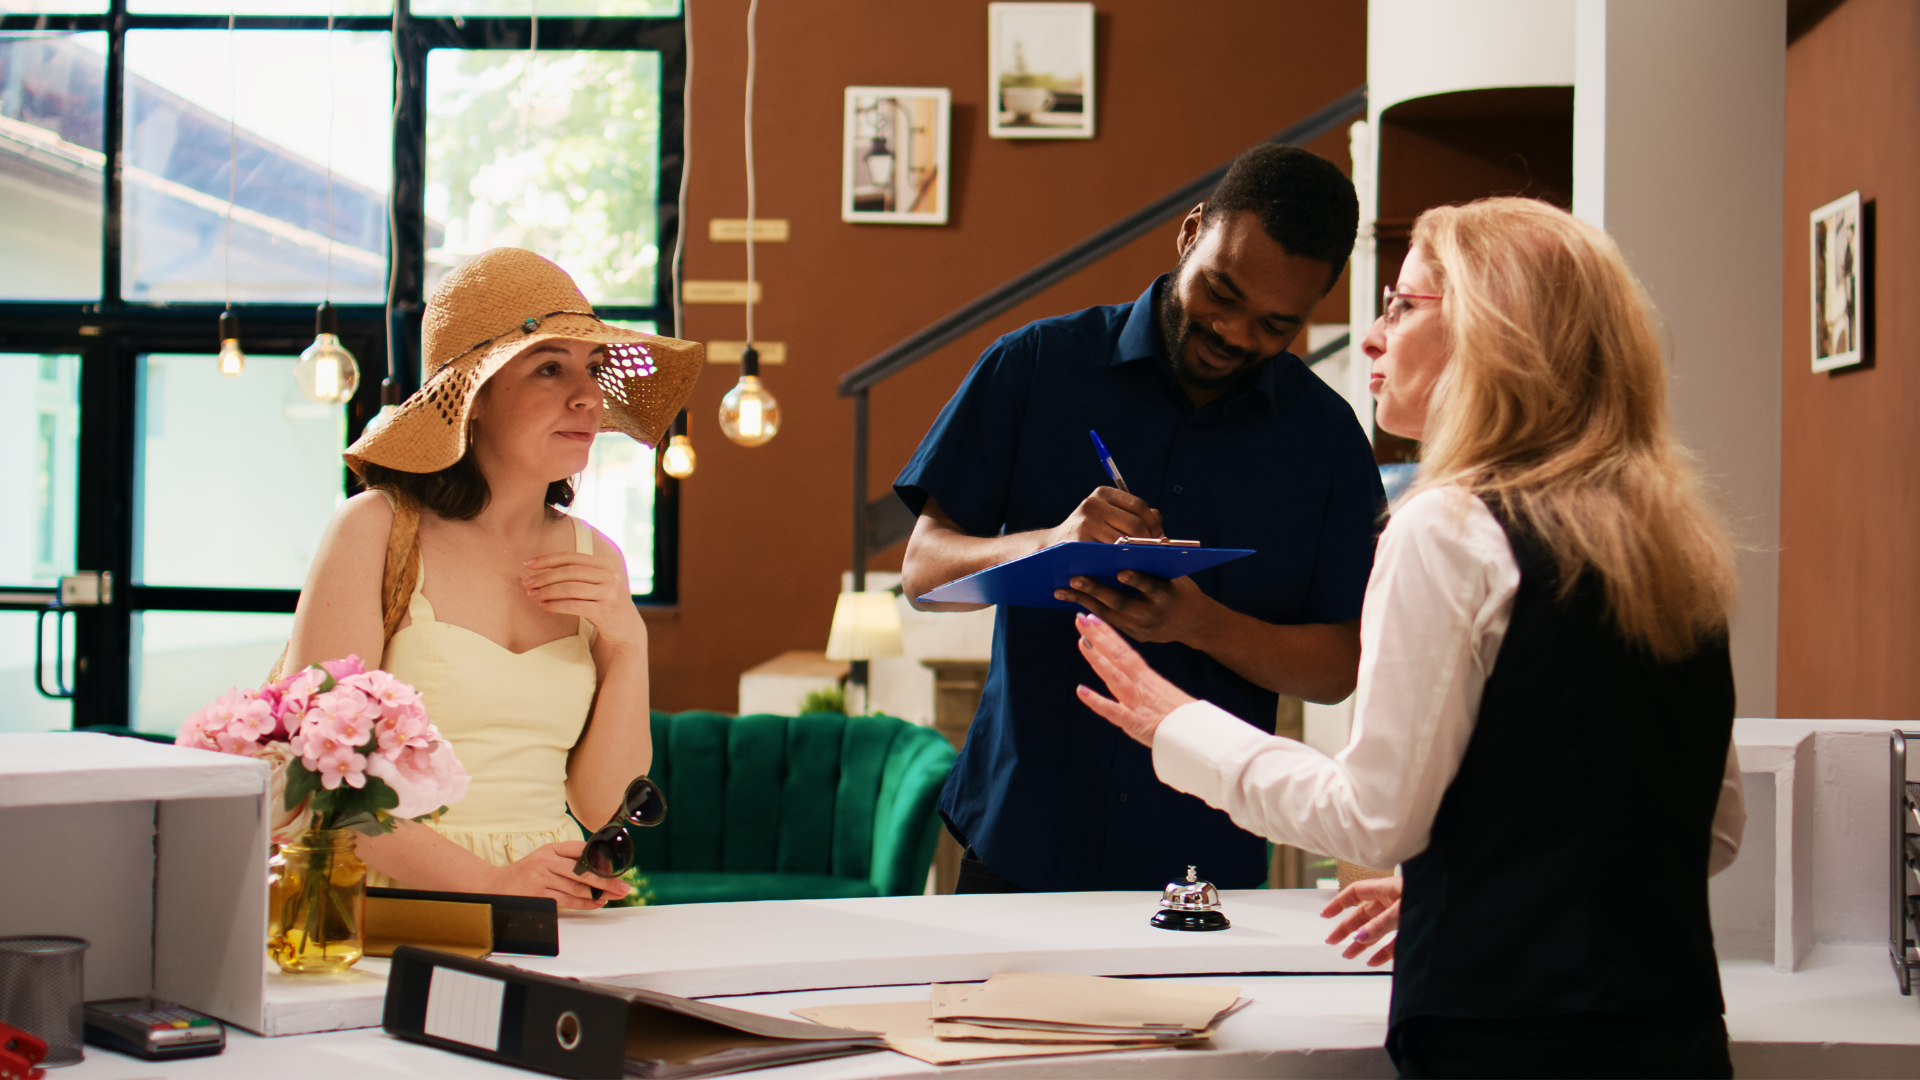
112 336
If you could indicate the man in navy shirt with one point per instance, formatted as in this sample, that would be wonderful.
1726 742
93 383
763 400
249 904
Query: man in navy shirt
1224 437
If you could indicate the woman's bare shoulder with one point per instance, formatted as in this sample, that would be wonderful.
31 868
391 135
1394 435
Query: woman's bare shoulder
359 529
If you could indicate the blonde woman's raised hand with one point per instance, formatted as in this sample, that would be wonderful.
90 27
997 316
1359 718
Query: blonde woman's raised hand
1372 907
548 871
593 587
1141 696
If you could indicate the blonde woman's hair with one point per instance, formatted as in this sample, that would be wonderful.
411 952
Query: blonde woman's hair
1553 406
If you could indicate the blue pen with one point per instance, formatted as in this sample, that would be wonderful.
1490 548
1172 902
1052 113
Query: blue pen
1106 459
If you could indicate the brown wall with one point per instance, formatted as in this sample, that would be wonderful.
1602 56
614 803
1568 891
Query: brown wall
1181 87
1849 477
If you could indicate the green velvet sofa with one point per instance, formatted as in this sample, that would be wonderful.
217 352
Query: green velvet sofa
792 807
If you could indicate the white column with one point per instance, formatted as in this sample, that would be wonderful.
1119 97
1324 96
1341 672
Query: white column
1679 153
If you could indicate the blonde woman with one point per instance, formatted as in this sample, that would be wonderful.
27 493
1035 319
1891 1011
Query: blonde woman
519 628
1543 729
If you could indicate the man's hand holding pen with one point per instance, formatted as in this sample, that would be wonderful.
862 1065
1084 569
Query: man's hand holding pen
1105 516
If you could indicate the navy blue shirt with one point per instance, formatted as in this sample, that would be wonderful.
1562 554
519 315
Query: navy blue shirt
1051 796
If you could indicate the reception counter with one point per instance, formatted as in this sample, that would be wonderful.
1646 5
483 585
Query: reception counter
1838 1016
704 950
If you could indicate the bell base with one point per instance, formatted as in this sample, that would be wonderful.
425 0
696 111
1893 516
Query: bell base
1169 919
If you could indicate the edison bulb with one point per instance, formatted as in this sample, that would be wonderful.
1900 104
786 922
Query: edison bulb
327 373
748 414
232 361
677 459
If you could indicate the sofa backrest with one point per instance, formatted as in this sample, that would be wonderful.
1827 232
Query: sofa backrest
815 794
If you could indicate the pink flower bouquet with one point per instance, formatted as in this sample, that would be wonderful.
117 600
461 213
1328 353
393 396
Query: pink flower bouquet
350 748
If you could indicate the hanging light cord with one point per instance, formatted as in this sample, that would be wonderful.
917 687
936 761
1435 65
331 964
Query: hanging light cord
332 106
533 49
686 169
233 154
394 343
753 8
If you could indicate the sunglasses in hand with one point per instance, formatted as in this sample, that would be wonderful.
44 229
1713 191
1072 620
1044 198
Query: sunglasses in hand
609 852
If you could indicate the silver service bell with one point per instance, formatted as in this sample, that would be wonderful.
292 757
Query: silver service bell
1190 905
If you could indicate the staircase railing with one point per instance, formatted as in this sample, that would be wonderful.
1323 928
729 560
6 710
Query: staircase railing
880 524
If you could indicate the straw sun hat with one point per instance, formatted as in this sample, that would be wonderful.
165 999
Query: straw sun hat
485 312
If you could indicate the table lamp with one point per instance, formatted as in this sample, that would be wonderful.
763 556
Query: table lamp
865 625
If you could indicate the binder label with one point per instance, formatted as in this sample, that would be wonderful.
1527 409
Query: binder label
464 1008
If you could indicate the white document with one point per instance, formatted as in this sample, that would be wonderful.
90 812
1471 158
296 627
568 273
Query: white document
464 1008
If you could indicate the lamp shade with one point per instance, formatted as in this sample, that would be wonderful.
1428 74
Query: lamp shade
865 625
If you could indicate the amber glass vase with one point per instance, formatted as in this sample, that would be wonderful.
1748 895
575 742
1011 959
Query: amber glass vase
317 904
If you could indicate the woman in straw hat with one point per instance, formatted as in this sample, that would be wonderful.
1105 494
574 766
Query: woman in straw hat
517 626
1542 733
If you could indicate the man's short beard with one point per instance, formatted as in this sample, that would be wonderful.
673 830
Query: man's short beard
1176 330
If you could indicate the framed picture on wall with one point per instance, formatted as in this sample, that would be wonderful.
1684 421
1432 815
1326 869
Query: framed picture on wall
1040 71
893 155
1839 294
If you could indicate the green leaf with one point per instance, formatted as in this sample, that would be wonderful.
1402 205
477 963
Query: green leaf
301 782
380 794
326 680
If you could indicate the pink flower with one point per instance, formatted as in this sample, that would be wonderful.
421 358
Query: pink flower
391 693
314 744
341 669
345 714
343 764
426 779
229 744
253 719
296 697
348 728
194 732
403 730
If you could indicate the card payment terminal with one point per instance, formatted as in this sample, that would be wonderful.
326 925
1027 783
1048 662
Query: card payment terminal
154 1030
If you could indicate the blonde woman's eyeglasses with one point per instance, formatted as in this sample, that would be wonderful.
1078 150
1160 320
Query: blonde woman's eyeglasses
1394 306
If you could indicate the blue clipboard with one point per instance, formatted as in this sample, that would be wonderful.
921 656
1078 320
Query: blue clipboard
1030 580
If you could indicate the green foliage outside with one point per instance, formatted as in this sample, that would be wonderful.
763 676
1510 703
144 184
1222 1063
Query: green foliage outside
559 154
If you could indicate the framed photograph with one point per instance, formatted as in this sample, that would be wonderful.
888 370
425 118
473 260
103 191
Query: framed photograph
1839 284
893 157
1040 71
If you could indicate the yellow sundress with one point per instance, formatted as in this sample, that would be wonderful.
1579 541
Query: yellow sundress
511 717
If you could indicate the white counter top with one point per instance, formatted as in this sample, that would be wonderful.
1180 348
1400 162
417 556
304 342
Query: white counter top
700 950
1840 1015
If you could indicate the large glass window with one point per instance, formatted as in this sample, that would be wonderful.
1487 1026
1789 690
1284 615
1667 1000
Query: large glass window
260 7
52 138
260 161
304 100
237 477
546 8
558 152
185 659
39 434
22 708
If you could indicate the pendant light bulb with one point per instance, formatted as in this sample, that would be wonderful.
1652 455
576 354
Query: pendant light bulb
327 373
678 459
748 414
232 361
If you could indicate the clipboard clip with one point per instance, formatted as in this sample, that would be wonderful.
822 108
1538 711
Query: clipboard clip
1158 541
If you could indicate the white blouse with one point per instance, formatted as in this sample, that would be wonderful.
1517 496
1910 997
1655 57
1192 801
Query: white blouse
1436 611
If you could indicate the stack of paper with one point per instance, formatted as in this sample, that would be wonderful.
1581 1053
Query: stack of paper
1027 1015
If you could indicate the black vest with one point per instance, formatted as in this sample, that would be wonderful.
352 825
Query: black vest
1567 870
